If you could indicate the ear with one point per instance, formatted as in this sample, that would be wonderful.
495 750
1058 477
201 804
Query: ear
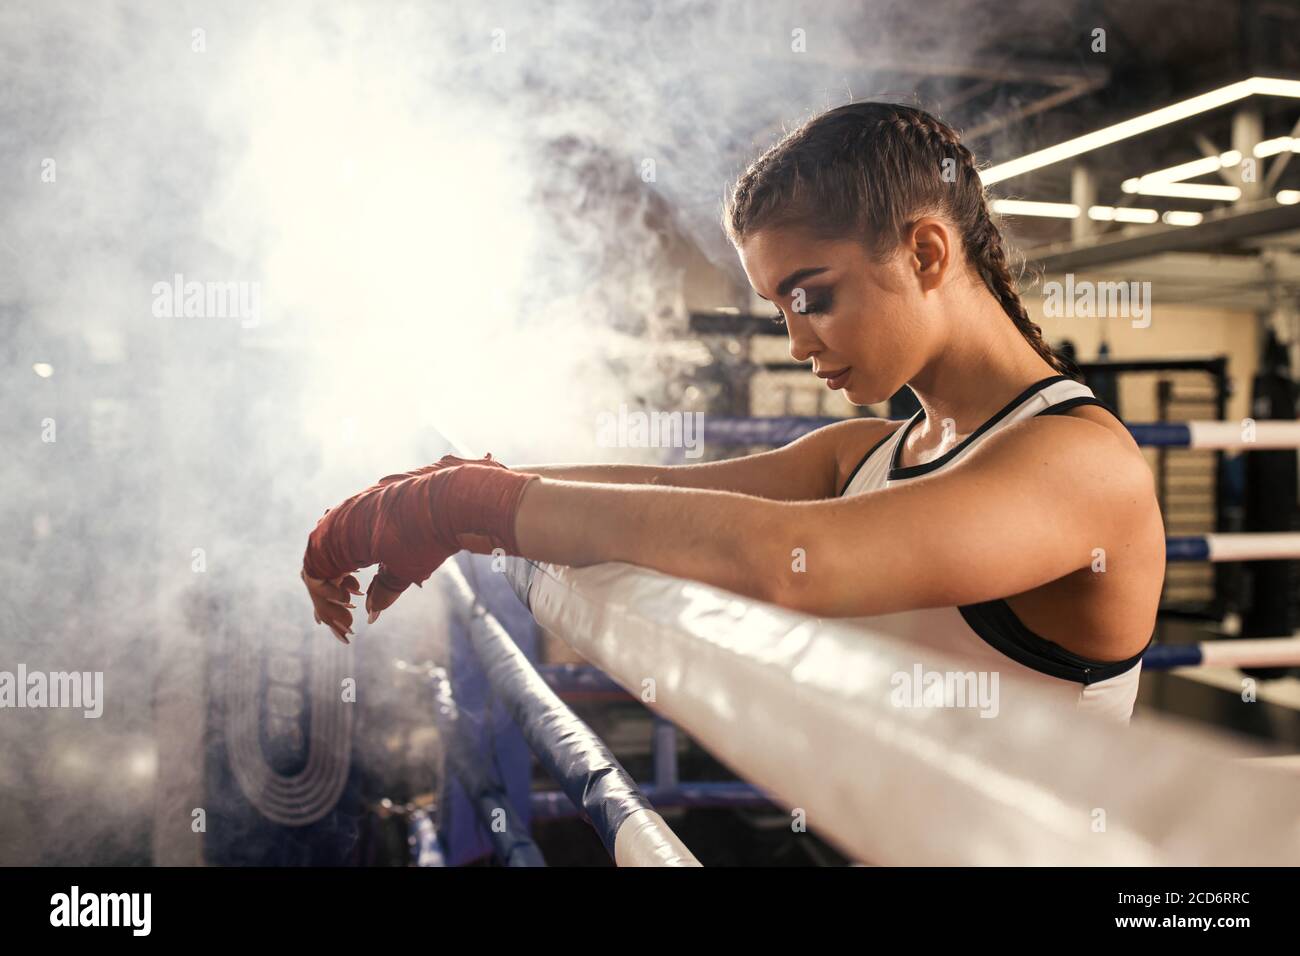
929 247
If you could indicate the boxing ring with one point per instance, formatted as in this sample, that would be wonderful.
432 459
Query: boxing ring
803 711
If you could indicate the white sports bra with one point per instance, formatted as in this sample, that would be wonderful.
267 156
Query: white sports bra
989 633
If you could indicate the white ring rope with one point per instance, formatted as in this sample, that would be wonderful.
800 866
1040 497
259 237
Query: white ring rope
1252 435
1254 546
801 708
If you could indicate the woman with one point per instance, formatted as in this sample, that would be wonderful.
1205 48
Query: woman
1012 519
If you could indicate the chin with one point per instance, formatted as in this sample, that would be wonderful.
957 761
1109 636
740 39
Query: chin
870 390
857 395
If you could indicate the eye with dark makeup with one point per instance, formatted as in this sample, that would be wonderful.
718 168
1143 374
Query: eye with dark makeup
819 306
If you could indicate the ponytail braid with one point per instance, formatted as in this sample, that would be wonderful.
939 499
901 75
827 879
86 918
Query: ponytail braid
987 251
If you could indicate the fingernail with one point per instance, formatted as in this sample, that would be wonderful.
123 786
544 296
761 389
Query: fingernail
372 617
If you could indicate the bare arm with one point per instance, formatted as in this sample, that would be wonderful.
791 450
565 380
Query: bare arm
1007 519
806 469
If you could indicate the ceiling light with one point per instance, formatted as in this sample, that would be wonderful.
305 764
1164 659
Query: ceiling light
1213 193
1122 214
1265 86
1023 207
1271 147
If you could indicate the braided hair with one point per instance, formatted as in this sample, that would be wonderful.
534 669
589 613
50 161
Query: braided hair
871 170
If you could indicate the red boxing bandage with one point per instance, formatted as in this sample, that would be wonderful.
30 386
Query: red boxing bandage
446 461
409 524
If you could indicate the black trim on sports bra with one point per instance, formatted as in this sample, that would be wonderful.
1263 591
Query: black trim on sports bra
865 458
1060 408
994 621
998 626
897 472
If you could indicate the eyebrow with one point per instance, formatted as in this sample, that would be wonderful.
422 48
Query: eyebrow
788 283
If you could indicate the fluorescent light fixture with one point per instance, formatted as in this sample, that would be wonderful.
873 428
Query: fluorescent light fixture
1289 197
1268 86
1213 193
1189 170
1271 147
1023 207
1122 214
1179 217
1261 85
726 309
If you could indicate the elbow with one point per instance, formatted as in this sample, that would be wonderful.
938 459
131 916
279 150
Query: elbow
776 571
786 573
795 589
827 593
850 600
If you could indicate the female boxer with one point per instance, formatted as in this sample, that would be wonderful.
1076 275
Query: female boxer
1012 518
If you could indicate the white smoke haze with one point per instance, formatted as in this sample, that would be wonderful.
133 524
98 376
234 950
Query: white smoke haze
445 211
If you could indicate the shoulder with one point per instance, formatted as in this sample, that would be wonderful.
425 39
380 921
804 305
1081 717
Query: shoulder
1089 457
853 439
1028 504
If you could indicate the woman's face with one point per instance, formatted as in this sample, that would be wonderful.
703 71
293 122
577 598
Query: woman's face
843 310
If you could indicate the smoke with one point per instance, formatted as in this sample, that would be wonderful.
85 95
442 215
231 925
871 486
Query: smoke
259 255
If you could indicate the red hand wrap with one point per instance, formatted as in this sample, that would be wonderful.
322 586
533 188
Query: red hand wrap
446 461
411 523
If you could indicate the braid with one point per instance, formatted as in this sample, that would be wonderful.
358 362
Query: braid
870 170
987 250
984 244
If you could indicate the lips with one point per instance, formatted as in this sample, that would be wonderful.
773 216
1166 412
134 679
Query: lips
835 378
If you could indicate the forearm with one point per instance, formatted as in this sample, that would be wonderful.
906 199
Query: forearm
603 474
733 541
803 473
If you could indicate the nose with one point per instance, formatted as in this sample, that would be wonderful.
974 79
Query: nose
803 341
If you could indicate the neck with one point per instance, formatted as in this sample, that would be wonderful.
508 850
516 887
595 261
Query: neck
983 364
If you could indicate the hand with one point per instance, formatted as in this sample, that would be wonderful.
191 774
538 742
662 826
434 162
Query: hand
330 603
385 587
408 524
384 590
